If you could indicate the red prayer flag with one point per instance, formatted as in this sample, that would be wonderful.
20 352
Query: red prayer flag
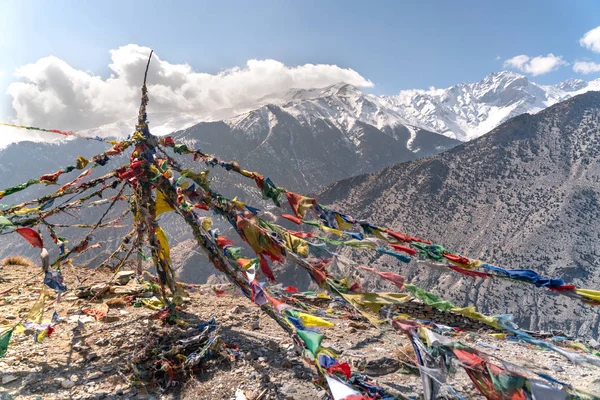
342 368
222 241
457 258
264 267
302 235
299 203
31 236
404 249
396 279
294 219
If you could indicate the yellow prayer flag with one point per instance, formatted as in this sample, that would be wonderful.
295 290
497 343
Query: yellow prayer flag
589 294
312 321
342 223
332 230
37 311
161 205
163 243
206 223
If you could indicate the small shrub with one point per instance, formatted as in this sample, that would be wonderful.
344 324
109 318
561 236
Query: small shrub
18 260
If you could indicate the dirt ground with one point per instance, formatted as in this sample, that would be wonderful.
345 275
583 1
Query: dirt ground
89 359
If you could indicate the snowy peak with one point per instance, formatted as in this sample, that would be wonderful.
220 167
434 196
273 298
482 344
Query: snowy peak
571 85
469 110
464 111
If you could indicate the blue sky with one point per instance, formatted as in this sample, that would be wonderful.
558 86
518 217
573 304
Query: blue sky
394 44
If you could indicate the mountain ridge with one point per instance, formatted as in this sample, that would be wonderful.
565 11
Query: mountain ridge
462 111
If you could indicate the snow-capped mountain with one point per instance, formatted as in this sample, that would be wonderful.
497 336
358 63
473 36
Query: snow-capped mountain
306 149
464 111
467 111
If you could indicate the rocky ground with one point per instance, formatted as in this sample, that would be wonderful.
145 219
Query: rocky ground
89 359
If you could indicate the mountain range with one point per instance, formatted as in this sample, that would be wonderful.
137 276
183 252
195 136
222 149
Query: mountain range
463 111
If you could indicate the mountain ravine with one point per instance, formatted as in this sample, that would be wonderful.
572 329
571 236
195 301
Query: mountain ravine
524 196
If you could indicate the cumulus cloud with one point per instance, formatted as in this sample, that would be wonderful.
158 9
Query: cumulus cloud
591 40
51 93
535 66
586 67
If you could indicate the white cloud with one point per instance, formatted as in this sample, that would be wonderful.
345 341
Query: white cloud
539 65
586 67
498 58
591 40
53 94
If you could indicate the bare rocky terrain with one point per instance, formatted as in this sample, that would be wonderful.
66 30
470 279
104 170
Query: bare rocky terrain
89 359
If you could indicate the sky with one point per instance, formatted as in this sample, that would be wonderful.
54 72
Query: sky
75 64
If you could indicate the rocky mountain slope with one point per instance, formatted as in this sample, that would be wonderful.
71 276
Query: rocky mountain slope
304 154
526 195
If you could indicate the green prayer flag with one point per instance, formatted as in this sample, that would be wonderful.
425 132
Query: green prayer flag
312 340
181 149
5 223
506 382
234 252
330 241
361 244
18 188
4 339
428 298
273 192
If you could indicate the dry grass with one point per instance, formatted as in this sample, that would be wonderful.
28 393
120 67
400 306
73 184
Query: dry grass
18 260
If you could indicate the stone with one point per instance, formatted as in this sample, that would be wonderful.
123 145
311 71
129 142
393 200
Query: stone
382 366
272 345
91 356
95 375
357 325
10 316
556 368
289 391
67 384
102 342
6 379
123 277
